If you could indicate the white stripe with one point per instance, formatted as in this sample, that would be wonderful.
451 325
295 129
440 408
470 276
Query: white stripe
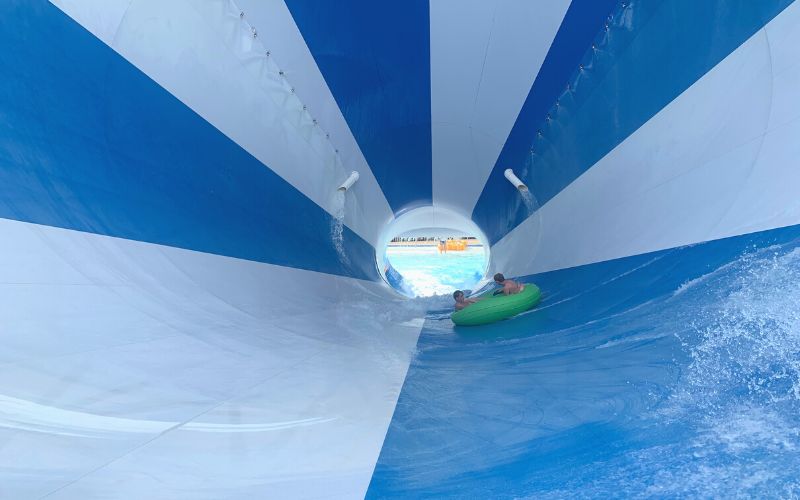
174 365
720 160
205 55
485 56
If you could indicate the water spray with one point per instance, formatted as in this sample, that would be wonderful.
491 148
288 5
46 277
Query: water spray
530 202
337 222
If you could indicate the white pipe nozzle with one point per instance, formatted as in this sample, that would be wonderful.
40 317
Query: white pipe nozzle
349 182
513 179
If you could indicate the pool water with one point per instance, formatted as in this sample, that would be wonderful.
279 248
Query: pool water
427 272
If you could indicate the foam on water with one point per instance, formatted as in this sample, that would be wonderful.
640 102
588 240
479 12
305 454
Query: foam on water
691 392
743 383
730 425
756 325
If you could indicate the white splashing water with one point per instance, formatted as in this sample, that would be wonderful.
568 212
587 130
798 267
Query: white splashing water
730 428
741 390
751 338
337 225
529 200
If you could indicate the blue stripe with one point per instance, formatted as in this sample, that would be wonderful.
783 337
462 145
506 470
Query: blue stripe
90 143
652 52
583 20
534 405
375 57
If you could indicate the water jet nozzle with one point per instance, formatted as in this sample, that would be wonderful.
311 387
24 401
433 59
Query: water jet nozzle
349 182
513 179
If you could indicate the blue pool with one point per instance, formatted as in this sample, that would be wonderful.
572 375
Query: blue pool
428 272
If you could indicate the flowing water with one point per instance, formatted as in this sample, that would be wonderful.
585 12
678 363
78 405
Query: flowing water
686 387
337 225
427 272
531 205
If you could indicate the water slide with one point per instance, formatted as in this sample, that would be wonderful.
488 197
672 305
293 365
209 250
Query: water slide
191 308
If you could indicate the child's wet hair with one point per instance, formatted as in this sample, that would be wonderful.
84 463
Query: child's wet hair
499 277
457 293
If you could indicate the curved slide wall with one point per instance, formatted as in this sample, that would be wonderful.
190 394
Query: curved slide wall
181 318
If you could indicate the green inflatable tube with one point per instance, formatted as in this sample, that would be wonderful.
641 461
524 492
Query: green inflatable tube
499 307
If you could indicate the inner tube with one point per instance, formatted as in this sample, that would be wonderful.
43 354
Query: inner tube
496 308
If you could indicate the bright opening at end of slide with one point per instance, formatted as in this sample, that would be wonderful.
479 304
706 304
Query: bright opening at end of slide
435 261
432 251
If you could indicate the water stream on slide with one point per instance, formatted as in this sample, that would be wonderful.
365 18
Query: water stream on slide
693 390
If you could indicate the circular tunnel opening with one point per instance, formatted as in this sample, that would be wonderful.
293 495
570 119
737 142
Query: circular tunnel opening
432 251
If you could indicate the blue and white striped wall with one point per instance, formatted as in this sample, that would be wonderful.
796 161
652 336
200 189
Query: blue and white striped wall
177 321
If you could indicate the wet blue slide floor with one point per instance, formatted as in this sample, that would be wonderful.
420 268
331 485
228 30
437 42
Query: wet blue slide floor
670 373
